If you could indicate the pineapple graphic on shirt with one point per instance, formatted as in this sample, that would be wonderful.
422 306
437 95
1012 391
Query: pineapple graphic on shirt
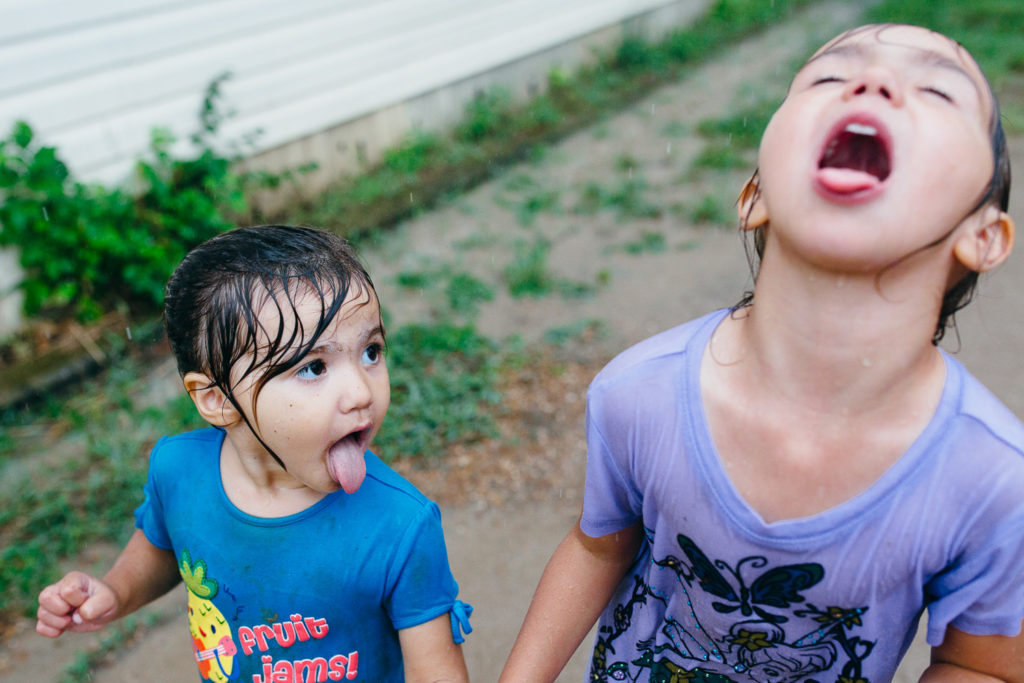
212 643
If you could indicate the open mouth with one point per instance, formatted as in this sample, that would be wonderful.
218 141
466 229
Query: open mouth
855 158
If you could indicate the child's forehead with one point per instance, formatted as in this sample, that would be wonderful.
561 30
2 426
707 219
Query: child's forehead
294 313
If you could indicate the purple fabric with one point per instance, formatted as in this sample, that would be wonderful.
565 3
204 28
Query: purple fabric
719 593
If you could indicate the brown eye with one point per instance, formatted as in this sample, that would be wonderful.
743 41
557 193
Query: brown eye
372 354
312 369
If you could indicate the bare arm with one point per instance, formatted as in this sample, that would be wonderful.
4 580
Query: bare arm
431 655
81 603
576 586
963 658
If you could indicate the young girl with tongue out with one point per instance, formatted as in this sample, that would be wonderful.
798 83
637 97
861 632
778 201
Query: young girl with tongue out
777 491
305 557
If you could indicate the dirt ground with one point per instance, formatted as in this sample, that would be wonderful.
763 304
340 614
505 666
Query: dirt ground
507 502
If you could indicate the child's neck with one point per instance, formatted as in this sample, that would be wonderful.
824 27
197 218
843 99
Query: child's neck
258 486
848 338
814 391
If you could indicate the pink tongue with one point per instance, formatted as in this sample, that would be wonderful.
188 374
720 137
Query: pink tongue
846 180
347 464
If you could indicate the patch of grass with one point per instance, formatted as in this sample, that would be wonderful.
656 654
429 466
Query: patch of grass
625 163
465 292
527 274
675 129
419 279
461 291
742 130
731 140
442 377
720 158
628 198
570 289
533 198
566 334
710 210
647 243
476 241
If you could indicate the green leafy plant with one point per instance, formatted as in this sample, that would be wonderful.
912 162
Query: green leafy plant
442 378
86 249
527 274
628 198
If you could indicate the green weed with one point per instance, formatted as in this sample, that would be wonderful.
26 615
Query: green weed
442 377
627 199
648 242
533 198
710 210
565 334
527 274
675 129
465 292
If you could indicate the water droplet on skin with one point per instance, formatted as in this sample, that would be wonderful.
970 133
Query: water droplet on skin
866 362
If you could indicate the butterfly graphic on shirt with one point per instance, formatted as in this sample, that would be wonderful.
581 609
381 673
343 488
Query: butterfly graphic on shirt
778 587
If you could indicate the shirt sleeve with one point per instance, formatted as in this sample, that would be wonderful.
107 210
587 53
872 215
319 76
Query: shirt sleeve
611 502
421 586
149 516
982 591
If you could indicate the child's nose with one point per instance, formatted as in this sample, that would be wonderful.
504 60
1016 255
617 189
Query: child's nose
876 80
355 391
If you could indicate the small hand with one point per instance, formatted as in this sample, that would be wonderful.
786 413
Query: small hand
78 603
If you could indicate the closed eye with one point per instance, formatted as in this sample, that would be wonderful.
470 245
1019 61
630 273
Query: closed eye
312 369
827 79
938 93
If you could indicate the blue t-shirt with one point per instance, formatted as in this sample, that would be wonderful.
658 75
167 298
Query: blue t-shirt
717 594
318 595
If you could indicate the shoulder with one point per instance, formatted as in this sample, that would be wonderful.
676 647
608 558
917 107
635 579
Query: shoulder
988 418
657 355
198 443
391 489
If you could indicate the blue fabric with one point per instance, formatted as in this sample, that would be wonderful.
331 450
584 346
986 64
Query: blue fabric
718 593
323 590
460 615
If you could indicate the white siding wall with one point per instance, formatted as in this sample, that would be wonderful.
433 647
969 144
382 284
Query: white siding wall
331 81
93 78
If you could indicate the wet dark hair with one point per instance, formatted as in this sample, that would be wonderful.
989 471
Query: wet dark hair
214 297
997 192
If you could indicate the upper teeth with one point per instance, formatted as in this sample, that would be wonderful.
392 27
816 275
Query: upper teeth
861 129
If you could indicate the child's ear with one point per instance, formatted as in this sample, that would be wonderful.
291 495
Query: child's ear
750 206
212 404
986 241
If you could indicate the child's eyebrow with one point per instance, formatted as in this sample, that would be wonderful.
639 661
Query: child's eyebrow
332 346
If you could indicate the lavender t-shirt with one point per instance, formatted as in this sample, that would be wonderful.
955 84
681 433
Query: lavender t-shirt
717 594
